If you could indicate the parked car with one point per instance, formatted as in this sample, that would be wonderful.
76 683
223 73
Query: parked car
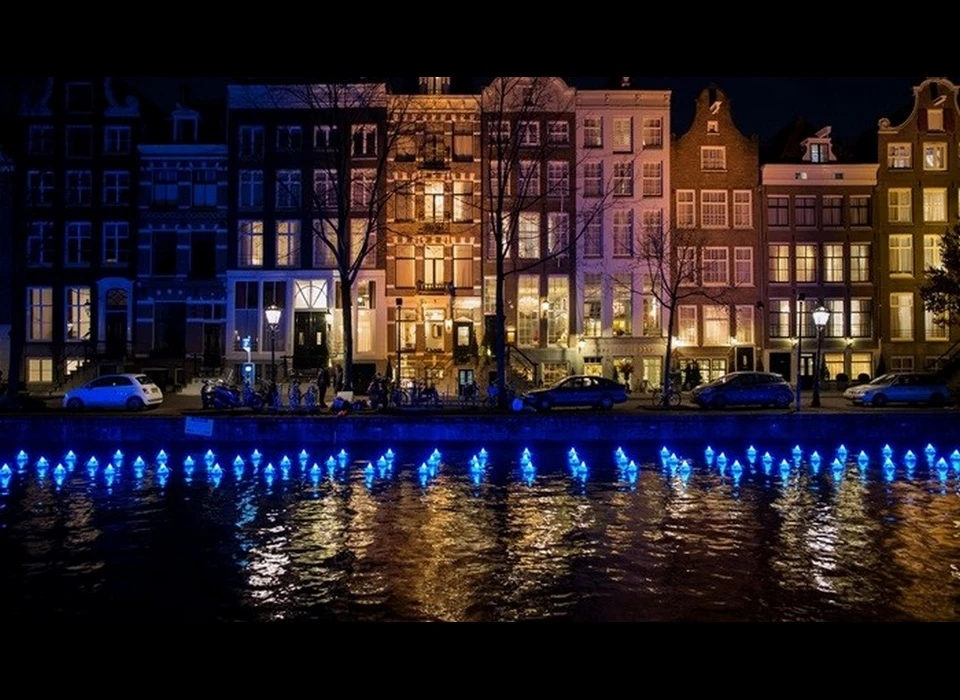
133 392
744 389
901 387
578 390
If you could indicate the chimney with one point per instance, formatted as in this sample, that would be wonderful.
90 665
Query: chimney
625 82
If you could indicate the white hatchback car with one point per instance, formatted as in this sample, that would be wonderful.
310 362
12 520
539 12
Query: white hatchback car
130 391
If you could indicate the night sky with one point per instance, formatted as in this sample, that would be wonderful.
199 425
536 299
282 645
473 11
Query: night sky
761 105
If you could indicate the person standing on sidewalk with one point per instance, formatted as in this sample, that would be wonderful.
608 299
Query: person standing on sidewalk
337 378
323 381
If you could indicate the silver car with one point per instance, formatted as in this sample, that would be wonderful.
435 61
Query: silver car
901 387
133 392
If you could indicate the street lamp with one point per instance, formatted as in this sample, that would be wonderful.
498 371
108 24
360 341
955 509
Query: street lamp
820 317
273 321
800 299
399 307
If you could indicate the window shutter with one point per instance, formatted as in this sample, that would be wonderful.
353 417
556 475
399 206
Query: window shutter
949 119
373 295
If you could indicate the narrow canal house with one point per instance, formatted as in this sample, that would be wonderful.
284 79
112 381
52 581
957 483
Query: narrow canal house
433 233
295 153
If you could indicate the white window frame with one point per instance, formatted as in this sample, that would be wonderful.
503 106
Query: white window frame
247 184
250 141
832 199
529 133
593 238
622 233
365 146
855 278
900 205
687 330
39 314
287 255
116 184
558 133
289 189
652 132
713 158
558 233
623 134
558 178
804 205
782 262
116 239
76 232
287 137
706 221
934 331
593 181
932 254
897 300
653 179
79 188
935 156
593 132
743 262
528 235
716 325
529 178
745 321
899 156
934 204
623 179
742 209
811 271
116 140
715 263
686 208
250 243
40 243
77 317
901 254
833 265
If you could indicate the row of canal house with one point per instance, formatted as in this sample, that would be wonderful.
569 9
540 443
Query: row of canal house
157 240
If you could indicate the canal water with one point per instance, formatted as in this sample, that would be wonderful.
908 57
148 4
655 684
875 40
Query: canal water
546 536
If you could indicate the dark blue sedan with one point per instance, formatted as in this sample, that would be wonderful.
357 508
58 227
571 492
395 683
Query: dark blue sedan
744 389
578 390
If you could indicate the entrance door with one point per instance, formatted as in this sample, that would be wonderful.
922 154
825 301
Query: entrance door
806 371
744 359
310 348
463 341
780 364
115 342
212 344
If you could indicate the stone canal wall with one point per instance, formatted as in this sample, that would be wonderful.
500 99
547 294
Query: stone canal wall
561 428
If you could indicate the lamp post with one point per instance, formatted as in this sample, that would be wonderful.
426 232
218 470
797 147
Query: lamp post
820 317
273 321
399 308
800 300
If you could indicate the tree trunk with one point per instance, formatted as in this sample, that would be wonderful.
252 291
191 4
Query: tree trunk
346 301
668 357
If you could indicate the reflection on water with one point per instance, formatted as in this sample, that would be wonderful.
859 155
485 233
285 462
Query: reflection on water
594 534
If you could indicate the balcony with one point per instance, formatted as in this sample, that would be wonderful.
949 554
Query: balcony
434 287
435 224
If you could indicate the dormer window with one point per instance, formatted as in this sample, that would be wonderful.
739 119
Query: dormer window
185 127
819 152
434 86
934 120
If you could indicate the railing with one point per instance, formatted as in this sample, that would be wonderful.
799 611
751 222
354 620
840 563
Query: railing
522 365
948 358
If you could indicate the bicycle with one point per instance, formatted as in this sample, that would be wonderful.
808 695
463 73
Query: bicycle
673 399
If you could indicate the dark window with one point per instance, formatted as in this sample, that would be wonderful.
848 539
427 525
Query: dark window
165 253
169 329
79 98
203 255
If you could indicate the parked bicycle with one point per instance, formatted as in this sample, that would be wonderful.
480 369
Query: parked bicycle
673 398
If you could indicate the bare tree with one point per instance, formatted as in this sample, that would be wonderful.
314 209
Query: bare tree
669 258
357 126
515 157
